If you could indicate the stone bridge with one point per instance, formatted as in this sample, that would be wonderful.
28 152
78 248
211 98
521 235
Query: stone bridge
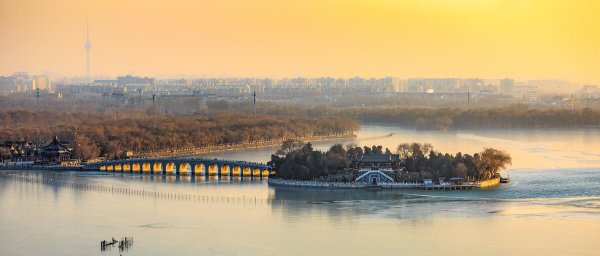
182 166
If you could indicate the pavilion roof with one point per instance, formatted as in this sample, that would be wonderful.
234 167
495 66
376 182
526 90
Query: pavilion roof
378 158
55 148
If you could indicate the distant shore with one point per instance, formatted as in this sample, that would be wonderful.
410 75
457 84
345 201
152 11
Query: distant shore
509 117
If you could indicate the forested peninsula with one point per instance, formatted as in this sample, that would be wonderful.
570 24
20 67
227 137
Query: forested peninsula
300 161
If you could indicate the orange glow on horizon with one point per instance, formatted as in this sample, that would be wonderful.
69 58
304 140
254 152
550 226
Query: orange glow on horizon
535 39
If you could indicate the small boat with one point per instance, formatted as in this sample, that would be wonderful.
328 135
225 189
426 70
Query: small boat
505 180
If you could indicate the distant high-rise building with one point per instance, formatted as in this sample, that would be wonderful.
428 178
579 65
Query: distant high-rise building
134 80
526 93
22 82
7 85
506 86
41 82
23 75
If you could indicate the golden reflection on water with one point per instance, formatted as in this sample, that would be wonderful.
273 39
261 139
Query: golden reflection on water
543 210
237 220
578 206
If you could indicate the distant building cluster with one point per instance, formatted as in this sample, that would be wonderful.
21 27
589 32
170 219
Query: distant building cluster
22 82
291 85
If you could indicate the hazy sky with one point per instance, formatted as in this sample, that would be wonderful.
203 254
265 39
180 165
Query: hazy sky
433 38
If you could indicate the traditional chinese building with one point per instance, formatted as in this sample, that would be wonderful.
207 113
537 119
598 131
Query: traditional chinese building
56 152
17 151
391 161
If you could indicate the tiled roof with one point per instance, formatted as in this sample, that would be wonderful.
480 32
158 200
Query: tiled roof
55 148
379 158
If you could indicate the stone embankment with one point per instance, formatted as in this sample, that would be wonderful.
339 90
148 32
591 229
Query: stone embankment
31 166
397 185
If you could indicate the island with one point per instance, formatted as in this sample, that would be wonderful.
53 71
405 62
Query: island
412 165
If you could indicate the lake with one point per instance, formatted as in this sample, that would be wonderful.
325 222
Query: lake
551 207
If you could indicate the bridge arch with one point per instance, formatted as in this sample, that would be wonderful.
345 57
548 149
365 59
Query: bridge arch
136 168
170 168
213 169
146 167
265 173
110 168
127 167
225 170
185 169
199 169
158 168
118 168
236 171
102 167
247 171
256 172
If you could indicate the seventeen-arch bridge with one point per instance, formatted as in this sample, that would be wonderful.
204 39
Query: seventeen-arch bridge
183 166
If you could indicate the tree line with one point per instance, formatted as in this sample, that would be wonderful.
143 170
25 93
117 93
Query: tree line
433 118
518 116
440 118
96 134
423 159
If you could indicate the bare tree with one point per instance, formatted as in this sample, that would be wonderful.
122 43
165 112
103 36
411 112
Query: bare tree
289 146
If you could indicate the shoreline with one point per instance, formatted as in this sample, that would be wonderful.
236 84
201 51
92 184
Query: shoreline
40 168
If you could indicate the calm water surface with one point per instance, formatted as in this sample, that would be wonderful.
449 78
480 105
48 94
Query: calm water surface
551 207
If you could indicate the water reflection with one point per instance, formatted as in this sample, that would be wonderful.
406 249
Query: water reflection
141 186
579 192
397 204
533 193
165 217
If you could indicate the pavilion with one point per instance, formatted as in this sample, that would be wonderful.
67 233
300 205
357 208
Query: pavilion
387 161
56 152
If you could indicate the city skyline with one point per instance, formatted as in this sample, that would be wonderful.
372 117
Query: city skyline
527 40
13 83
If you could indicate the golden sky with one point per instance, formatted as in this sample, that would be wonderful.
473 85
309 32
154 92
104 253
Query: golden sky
525 39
